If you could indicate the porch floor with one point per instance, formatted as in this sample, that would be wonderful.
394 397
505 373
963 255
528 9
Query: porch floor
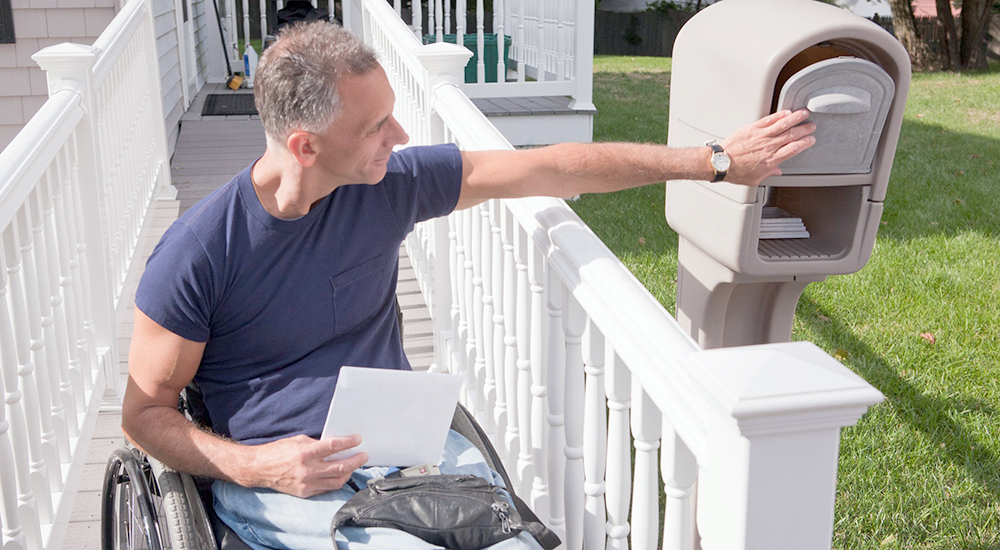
210 150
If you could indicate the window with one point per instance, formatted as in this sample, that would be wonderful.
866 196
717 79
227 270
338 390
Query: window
6 23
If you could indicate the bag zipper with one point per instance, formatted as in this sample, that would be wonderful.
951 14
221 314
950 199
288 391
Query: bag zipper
500 509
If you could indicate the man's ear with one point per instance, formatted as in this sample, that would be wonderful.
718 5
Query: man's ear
303 145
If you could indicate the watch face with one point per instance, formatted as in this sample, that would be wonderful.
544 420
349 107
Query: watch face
720 162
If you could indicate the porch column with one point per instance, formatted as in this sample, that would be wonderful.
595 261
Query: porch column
770 477
445 65
70 67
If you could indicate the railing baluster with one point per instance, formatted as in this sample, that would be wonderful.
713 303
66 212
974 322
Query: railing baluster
679 470
511 438
618 384
595 438
645 497
477 353
540 46
86 348
498 29
522 60
455 263
486 345
499 348
555 366
576 321
525 468
480 39
539 391
42 455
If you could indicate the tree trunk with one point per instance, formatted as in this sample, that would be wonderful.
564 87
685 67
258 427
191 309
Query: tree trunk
975 17
948 37
921 56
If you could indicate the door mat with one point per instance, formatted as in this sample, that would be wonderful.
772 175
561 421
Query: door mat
228 104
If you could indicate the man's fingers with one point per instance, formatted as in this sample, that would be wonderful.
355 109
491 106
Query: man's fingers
782 121
793 148
337 444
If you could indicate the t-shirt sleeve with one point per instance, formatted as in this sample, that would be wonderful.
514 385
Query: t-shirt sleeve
175 288
423 182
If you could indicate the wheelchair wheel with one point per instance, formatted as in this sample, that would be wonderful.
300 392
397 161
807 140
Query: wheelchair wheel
147 506
128 516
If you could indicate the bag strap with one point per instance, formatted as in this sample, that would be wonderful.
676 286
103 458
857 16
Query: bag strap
532 524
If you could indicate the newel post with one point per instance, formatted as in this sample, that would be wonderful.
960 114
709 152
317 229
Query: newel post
770 477
70 67
445 64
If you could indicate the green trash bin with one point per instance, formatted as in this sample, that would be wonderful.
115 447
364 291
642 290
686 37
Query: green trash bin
489 54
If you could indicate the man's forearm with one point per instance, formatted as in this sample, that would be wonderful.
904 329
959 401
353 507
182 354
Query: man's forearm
604 167
167 435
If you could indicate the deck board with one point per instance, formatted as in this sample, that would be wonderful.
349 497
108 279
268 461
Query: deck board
209 152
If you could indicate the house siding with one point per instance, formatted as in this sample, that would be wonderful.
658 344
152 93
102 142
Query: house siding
39 24
165 28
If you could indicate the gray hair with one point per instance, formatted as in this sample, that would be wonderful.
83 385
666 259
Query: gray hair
295 87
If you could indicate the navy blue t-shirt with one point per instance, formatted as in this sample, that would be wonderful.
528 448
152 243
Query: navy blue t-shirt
283 304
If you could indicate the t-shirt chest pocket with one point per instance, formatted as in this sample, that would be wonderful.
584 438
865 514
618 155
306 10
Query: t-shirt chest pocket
359 293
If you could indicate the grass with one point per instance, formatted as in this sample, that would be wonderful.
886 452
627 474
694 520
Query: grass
921 322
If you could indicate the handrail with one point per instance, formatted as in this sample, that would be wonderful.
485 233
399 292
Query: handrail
115 38
23 161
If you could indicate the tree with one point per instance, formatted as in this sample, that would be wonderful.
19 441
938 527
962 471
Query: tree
905 27
962 46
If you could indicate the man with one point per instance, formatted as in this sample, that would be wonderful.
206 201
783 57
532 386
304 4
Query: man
264 289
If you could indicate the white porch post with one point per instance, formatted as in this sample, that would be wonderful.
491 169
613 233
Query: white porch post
583 56
771 474
445 64
70 67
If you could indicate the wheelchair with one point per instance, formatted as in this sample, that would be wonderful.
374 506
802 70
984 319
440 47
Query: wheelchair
148 506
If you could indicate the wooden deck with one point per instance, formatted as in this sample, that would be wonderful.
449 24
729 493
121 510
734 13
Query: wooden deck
210 151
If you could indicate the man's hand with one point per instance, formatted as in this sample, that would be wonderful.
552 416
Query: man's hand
756 150
296 465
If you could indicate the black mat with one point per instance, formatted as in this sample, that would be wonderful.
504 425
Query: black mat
228 104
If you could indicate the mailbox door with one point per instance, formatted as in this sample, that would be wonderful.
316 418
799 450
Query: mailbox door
849 99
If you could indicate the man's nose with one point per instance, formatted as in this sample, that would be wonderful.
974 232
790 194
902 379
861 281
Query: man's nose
399 135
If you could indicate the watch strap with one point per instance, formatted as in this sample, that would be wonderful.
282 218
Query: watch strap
716 148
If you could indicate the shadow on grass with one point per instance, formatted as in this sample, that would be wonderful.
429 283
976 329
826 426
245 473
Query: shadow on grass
943 183
929 414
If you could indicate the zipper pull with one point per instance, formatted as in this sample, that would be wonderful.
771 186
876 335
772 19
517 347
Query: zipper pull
500 509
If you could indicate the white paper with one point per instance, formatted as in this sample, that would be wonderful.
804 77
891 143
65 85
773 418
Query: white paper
403 417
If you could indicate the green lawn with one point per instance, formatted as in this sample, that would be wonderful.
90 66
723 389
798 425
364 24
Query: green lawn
921 322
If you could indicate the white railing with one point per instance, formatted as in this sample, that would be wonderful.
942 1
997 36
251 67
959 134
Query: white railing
573 367
75 186
550 44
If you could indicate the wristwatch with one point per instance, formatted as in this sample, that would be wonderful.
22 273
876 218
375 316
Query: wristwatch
719 160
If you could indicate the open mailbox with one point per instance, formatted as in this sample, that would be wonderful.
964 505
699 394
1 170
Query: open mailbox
746 254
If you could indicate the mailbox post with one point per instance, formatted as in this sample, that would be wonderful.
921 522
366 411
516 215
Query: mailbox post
746 254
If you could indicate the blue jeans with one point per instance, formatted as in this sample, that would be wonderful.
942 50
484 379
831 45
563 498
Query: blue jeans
268 520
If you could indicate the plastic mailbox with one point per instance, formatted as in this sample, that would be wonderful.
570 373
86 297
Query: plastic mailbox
746 254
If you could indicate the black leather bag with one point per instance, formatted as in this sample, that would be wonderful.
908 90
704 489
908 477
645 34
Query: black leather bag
453 511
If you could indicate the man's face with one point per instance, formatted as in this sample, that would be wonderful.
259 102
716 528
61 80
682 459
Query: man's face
357 145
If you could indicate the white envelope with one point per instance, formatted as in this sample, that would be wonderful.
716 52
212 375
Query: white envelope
403 417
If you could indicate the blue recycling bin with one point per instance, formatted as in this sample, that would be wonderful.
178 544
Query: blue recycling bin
489 53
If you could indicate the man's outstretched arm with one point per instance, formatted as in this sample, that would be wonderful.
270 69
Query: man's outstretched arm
161 364
569 169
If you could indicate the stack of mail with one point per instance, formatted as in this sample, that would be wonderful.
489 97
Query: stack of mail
776 223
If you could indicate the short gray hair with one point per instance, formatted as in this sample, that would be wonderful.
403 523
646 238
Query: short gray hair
295 87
